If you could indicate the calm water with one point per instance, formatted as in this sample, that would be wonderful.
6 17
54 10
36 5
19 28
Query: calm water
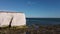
43 21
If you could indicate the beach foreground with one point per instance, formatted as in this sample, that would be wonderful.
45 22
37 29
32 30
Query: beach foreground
33 29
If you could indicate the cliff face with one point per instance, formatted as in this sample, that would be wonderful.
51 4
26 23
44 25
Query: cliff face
12 18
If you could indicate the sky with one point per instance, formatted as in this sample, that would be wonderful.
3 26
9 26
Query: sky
33 8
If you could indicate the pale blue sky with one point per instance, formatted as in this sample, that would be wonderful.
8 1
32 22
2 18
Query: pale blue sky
33 8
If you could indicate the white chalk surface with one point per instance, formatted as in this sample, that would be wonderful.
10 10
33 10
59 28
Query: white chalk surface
18 19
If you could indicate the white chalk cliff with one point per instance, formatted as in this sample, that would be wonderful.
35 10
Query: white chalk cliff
16 19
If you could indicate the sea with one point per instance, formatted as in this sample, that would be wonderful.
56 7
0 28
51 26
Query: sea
43 21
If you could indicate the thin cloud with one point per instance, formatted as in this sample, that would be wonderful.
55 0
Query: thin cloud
29 3
8 10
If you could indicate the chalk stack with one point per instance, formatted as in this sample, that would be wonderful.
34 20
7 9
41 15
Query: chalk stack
13 18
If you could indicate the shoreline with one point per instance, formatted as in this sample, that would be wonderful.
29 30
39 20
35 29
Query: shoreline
32 29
